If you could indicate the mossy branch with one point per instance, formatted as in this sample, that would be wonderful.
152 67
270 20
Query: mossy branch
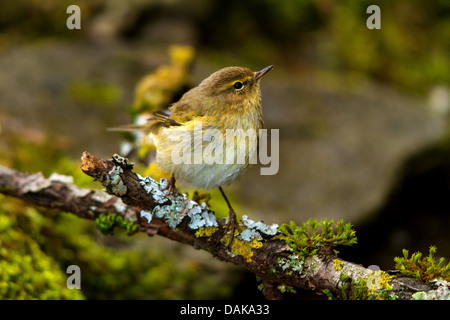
283 258
424 268
312 236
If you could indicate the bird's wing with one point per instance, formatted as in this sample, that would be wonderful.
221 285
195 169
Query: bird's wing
158 118
163 117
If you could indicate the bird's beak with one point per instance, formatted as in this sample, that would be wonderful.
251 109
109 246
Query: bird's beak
259 74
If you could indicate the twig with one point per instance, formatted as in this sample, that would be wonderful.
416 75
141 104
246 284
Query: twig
130 196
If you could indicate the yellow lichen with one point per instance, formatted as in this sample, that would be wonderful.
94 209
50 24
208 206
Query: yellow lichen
338 264
243 248
205 231
378 286
256 244
378 280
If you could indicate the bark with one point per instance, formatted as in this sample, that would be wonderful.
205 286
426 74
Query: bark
274 262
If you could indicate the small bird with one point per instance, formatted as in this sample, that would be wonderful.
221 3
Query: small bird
228 99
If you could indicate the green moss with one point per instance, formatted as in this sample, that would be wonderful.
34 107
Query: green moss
313 236
328 293
424 268
116 267
284 288
25 271
121 267
106 223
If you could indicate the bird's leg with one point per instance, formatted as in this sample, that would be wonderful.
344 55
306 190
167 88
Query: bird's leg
232 220
170 185
197 197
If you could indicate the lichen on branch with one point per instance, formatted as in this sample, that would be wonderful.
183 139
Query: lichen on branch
288 256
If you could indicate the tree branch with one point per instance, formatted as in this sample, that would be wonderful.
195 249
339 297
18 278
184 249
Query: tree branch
174 216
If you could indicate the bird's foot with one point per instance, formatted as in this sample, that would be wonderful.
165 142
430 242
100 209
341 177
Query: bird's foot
170 186
232 226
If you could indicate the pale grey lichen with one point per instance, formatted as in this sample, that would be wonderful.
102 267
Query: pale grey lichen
56 177
101 196
68 181
173 208
254 229
119 206
35 183
249 234
442 292
147 215
79 192
125 162
115 181
312 265
293 262
169 213
260 226
153 187
200 215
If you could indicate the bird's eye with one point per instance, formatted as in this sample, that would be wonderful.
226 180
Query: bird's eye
238 85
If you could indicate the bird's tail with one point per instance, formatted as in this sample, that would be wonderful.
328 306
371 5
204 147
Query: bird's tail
129 128
149 127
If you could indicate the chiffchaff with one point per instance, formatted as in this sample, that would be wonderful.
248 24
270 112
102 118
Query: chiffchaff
228 99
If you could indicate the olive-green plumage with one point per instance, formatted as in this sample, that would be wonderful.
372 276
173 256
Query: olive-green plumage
197 126
228 99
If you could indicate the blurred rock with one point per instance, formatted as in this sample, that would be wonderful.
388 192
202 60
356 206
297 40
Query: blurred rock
116 18
73 90
149 21
341 138
413 214
341 143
